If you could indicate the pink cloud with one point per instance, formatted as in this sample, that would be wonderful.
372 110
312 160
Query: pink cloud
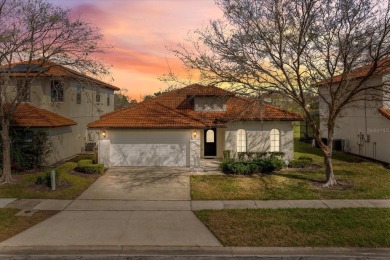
140 32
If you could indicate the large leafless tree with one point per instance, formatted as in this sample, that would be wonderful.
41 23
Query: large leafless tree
292 47
39 33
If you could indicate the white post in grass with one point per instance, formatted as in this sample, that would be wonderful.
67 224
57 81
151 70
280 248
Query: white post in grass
53 179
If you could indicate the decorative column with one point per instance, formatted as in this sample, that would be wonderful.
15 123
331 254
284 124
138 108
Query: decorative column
195 151
104 152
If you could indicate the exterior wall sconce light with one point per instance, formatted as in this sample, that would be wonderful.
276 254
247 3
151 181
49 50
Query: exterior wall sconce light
194 134
104 134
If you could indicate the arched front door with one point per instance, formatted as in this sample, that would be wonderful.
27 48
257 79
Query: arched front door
210 142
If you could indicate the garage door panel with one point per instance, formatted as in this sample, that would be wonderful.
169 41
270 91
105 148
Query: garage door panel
148 155
149 147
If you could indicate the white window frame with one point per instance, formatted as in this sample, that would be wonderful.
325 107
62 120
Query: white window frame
274 138
241 140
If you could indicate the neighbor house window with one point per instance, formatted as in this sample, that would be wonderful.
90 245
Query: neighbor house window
274 140
23 87
241 140
78 95
97 96
108 99
57 91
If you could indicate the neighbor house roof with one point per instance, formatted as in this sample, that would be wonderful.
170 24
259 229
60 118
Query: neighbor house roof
383 66
175 109
27 115
385 112
48 69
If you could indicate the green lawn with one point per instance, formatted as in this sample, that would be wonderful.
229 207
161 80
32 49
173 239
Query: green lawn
10 225
360 180
352 227
71 184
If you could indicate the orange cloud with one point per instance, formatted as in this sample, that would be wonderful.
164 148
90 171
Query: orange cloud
140 32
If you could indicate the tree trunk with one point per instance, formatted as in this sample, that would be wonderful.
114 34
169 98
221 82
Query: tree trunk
327 150
6 177
330 179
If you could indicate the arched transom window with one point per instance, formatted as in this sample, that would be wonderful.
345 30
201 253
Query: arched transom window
241 140
210 136
274 140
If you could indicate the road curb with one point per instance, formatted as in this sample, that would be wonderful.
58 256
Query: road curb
267 252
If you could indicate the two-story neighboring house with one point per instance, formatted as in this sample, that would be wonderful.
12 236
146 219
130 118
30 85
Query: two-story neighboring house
184 125
63 102
363 127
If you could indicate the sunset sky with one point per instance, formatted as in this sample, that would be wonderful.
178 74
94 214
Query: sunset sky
140 31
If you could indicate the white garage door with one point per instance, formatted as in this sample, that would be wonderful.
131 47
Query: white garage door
149 147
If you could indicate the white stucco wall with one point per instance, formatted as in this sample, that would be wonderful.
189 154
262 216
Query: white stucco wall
365 131
64 143
258 136
195 154
104 152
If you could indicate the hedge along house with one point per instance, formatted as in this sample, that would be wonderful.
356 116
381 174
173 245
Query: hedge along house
57 96
183 126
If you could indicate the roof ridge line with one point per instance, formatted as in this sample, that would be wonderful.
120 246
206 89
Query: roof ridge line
283 110
119 111
182 113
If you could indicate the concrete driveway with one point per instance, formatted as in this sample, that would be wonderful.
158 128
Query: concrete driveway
129 206
141 183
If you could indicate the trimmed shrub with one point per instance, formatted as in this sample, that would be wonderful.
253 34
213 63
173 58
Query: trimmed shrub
244 168
276 154
241 156
299 163
258 155
226 155
250 155
268 165
302 162
264 165
305 158
86 166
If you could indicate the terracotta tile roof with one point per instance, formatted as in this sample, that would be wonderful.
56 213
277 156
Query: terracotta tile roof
383 67
146 115
176 110
27 115
49 69
385 112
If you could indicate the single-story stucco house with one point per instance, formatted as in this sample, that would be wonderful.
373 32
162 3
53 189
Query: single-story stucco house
183 126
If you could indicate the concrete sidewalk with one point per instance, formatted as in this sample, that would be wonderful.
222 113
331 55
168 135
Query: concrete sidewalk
277 204
178 205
